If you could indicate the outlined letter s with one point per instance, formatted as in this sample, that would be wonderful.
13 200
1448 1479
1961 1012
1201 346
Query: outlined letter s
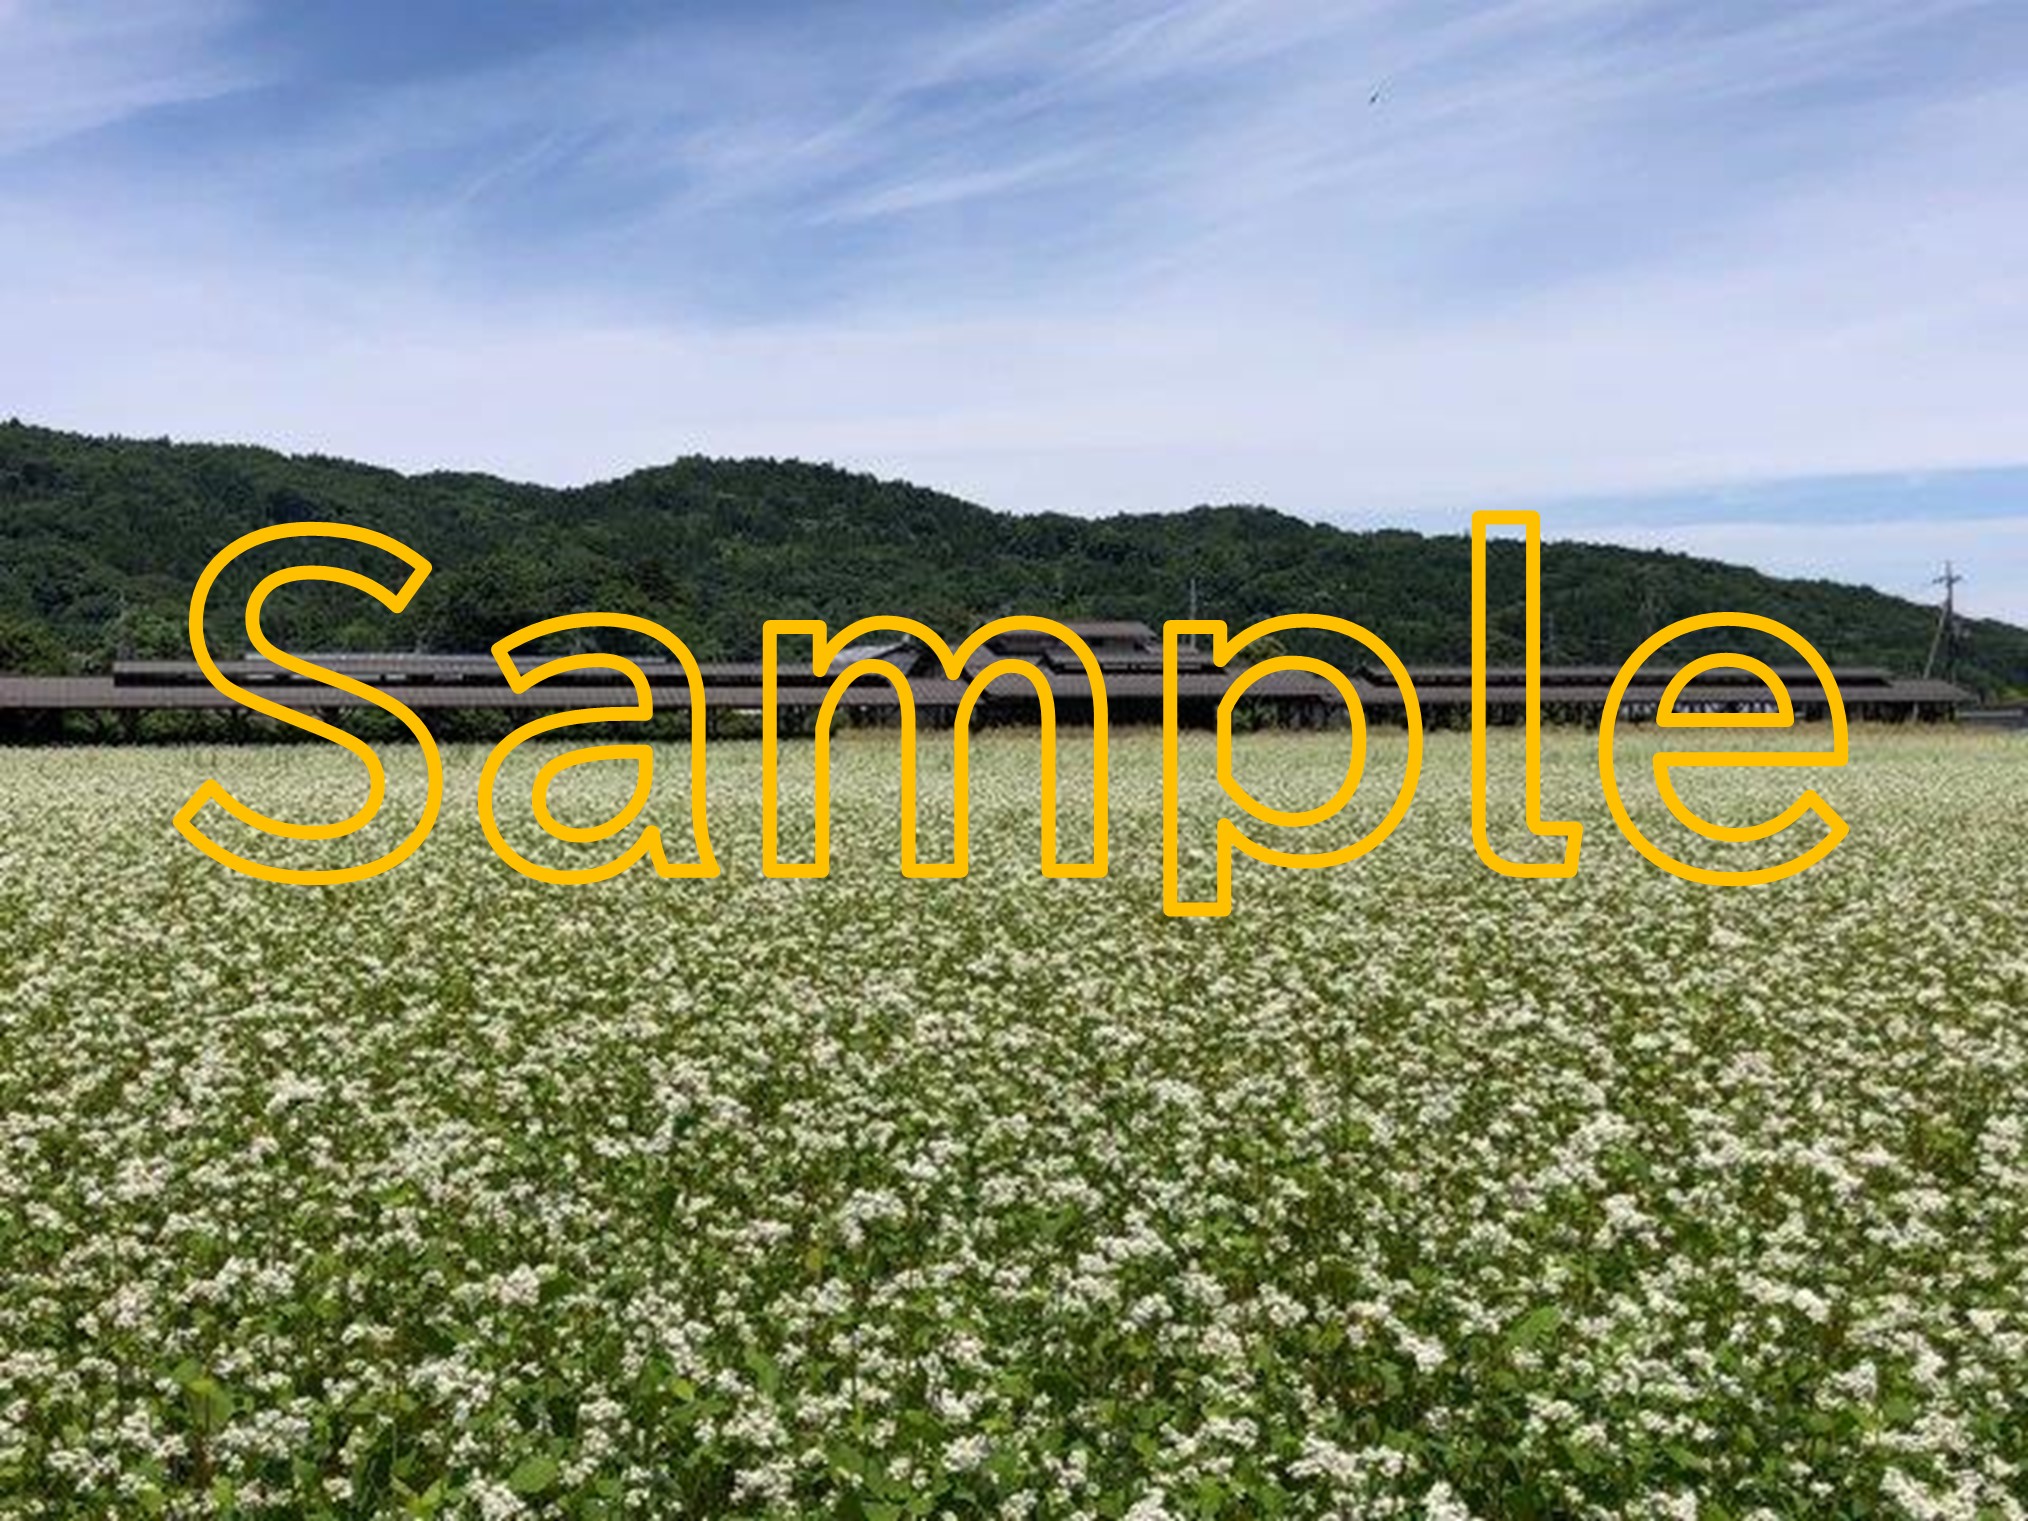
394 599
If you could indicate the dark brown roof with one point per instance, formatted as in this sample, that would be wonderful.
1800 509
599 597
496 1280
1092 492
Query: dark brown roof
102 693
1112 628
475 681
1604 675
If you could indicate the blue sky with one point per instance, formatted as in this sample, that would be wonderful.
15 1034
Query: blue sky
1744 279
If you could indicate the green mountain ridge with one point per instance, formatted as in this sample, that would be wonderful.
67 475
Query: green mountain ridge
102 540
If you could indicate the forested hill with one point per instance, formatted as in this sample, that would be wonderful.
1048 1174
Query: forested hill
102 540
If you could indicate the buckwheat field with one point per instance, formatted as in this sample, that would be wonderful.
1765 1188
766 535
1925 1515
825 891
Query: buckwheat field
1408 1190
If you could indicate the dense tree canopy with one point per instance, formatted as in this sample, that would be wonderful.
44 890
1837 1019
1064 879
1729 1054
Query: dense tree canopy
101 541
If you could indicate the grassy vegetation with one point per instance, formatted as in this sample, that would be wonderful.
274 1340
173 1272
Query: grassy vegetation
101 541
1408 1190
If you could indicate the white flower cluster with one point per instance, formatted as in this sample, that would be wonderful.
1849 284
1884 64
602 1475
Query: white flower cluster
1407 1191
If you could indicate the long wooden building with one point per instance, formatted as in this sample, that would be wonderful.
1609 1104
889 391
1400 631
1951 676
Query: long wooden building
1129 656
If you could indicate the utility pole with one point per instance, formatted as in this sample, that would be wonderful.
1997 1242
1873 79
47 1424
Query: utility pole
1946 634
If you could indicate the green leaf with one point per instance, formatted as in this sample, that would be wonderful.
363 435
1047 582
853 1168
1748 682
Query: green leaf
1538 1323
532 1476
848 1459
210 1405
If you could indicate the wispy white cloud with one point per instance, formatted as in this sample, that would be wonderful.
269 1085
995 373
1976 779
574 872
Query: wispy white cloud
1365 261
84 64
